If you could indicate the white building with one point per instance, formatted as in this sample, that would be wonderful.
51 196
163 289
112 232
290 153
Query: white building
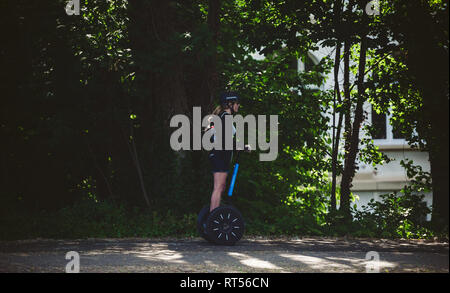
369 183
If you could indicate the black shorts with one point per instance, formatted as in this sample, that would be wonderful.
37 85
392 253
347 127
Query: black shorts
220 160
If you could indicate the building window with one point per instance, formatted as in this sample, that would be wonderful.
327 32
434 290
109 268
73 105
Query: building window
382 129
379 125
308 63
397 134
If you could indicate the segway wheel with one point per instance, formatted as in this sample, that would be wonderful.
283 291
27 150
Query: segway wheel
225 225
201 222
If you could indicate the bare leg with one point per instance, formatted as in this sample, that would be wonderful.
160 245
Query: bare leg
219 186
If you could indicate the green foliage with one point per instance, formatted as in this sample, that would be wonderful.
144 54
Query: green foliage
395 216
104 219
102 87
371 154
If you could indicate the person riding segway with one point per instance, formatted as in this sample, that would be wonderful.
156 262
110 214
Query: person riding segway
222 224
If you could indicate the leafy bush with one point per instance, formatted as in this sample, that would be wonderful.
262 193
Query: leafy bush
303 213
306 213
102 219
395 216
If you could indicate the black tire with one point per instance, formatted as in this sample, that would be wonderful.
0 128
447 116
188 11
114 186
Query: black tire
201 222
225 225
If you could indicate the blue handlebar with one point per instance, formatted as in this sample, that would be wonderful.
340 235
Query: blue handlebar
233 179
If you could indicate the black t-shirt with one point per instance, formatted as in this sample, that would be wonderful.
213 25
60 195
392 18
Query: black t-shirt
222 116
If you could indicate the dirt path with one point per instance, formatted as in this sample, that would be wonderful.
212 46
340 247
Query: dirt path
248 255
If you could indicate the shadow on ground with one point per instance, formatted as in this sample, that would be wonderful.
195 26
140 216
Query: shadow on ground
248 255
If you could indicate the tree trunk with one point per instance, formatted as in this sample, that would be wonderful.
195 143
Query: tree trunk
346 105
135 159
431 76
337 95
440 185
347 97
436 103
350 166
213 75
336 137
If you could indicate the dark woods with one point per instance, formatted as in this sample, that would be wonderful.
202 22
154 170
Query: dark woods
86 102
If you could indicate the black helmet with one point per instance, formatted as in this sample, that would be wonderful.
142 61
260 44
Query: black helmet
228 97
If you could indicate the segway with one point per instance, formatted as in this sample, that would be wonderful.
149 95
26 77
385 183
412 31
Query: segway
225 224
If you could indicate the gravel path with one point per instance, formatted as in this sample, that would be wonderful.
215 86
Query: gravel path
253 255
